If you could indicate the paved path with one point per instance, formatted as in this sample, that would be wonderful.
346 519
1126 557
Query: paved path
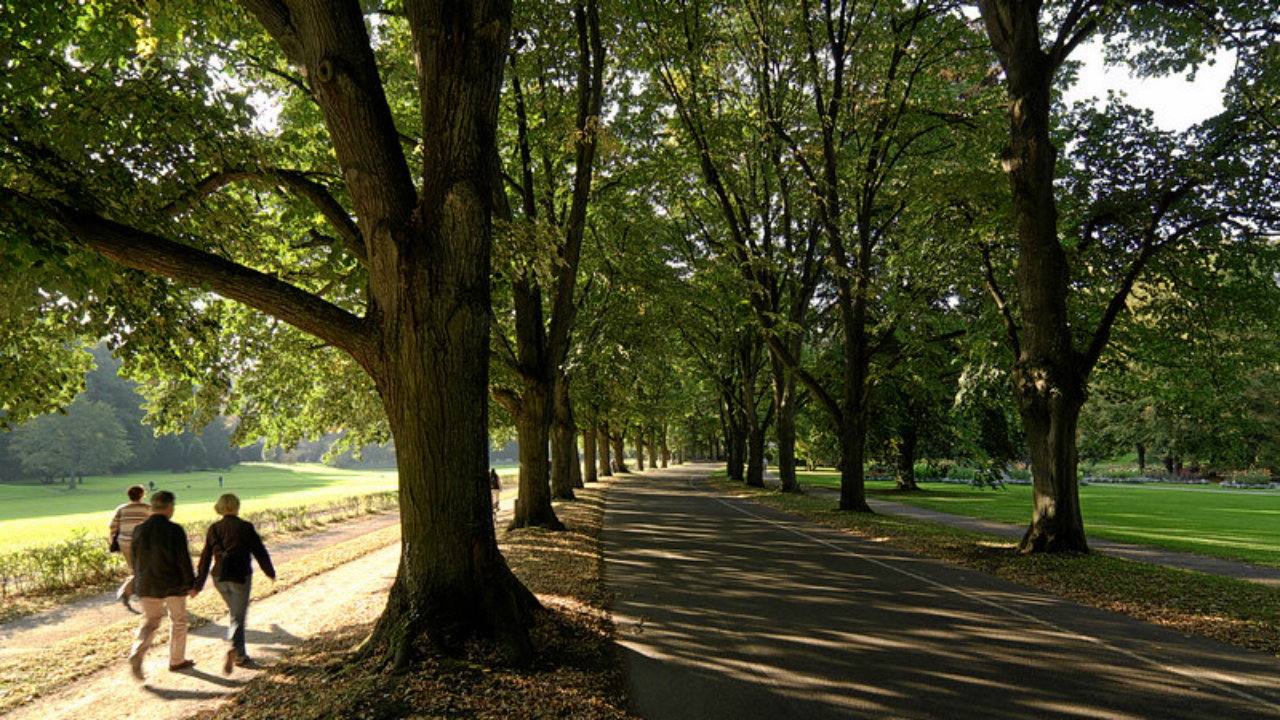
726 609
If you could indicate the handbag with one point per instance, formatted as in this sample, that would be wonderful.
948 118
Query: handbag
115 542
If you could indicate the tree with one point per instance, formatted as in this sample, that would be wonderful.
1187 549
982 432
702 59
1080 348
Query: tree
1159 196
120 141
547 242
86 440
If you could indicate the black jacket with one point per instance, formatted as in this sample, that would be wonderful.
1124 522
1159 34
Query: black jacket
228 545
161 559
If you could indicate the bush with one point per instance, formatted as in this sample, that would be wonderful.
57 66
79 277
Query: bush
83 559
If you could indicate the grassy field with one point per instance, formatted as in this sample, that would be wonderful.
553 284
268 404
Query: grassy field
1241 525
34 514
31 513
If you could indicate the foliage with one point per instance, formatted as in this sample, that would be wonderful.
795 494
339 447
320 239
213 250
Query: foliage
86 440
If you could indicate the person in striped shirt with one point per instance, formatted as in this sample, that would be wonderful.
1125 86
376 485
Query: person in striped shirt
129 516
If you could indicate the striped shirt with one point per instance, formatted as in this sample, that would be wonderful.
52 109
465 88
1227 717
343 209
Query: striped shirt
128 516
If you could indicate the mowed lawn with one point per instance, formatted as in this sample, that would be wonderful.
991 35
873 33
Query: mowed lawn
33 514
1240 525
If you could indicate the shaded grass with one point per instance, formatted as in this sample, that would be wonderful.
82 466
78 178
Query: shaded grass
1233 611
1241 525
29 676
578 673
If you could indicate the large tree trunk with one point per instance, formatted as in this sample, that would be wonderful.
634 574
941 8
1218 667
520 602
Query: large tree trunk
639 449
533 504
1056 522
755 455
602 445
564 442
653 450
906 475
619 452
589 454
784 392
853 487
1049 375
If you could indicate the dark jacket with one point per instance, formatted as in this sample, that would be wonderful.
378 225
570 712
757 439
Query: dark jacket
228 545
161 559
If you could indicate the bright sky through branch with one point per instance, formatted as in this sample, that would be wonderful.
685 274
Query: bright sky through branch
1177 103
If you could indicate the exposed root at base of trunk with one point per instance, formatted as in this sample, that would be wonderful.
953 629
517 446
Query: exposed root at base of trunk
1038 540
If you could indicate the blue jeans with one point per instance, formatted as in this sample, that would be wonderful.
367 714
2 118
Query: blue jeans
236 596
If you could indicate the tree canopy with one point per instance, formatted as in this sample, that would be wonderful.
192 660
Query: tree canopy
848 230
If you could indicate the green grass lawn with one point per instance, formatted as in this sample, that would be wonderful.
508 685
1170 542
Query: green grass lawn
1238 525
32 514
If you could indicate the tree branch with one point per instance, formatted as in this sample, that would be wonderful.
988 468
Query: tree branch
146 251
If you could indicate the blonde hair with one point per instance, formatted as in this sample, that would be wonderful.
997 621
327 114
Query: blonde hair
228 504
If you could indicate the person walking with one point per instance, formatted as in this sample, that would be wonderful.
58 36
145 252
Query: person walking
163 579
228 546
495 489
127 518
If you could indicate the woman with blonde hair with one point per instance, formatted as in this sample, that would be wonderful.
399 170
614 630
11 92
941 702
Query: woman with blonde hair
228 546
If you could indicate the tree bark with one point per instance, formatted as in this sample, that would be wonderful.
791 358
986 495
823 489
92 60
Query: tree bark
619 453
639 440
589 454
564 442
784 391
533 504
602 445
1049 374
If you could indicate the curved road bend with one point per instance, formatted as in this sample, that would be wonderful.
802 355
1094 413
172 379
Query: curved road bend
726 609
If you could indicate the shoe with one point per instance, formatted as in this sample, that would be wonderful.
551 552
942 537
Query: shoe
230 662
135 665
245 661
185 664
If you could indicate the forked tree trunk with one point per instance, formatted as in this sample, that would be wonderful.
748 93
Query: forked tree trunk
589 454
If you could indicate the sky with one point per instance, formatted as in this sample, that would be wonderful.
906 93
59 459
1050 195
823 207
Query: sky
1176 103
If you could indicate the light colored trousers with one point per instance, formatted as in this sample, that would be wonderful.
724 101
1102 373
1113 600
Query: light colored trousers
153 610
126 589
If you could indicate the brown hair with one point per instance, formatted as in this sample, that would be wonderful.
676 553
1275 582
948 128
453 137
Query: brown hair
135 492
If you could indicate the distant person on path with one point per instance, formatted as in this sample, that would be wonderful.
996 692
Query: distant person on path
164 579
495 485
127 518
227 546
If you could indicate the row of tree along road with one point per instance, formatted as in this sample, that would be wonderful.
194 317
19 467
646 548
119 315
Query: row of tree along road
829 221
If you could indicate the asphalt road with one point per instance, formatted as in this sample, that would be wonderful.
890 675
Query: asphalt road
726 609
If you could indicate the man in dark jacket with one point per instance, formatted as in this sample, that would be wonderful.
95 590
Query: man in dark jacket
162 579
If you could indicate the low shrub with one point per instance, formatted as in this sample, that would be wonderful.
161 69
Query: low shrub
83 559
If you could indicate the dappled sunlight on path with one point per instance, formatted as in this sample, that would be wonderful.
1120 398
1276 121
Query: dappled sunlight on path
729 610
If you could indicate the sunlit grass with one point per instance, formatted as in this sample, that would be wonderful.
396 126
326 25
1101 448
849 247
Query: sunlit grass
31 513
1199 519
